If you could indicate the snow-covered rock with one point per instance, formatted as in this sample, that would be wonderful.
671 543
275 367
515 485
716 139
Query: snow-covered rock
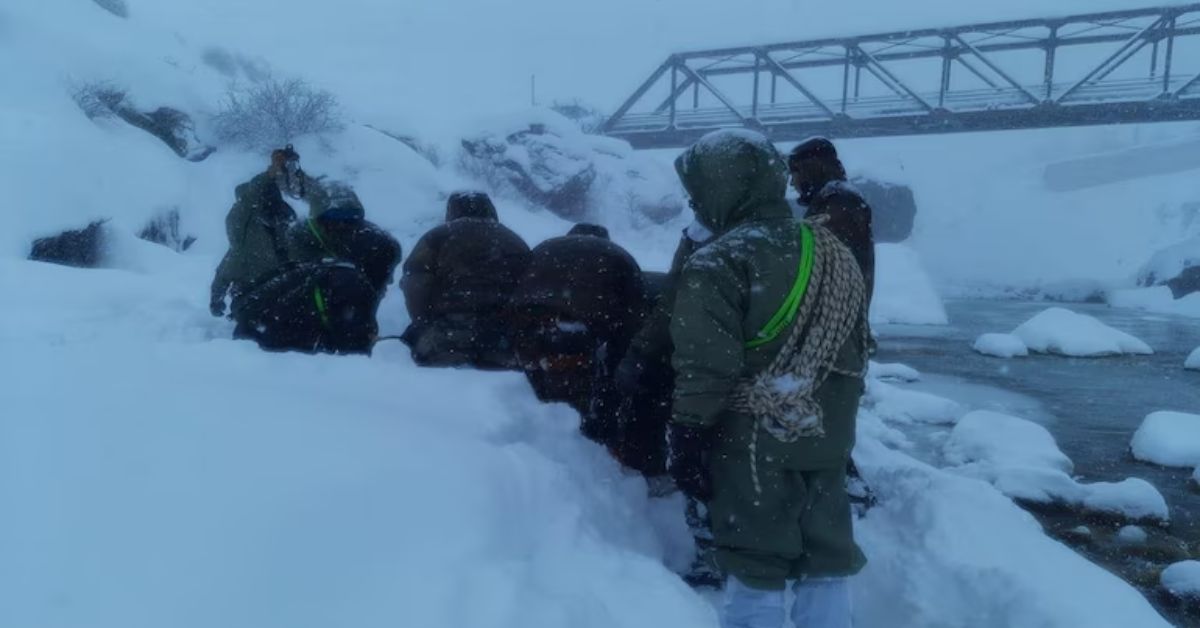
904 292
1182 579
1193 360
1158 299
894 372
1023 461
1168 263
1171 439
1001 346
1063 332
1132 535
902 405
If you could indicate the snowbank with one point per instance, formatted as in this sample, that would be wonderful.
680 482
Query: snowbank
1157 299
904 293
1001 346
1183 579
1193 360
1023 461
1063 332
1171 439
901 405
893 372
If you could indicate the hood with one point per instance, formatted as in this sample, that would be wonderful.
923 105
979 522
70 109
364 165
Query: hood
475 205
734 176
336 201
589 229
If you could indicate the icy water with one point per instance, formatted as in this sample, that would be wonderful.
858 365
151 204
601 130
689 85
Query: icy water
1092 406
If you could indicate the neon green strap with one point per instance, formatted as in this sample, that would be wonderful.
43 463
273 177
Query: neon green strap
323 311
316 231
786 314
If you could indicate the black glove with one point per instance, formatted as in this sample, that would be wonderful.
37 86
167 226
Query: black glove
628 375
687 460
216 304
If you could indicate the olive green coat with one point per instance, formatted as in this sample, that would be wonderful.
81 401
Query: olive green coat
799 524
256 226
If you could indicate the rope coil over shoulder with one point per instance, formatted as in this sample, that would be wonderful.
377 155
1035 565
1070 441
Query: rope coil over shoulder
830 307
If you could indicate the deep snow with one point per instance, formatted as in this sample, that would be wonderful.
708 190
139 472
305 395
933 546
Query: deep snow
1171 439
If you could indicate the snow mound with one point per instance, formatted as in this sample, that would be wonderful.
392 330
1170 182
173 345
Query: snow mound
1193 360
1063 332
1182 579
1001 346
1023 461
904 292
894 372
1132 535
900 405
1170 439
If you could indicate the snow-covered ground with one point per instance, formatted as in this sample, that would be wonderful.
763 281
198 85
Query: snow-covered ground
1171 439
161 475
1063 332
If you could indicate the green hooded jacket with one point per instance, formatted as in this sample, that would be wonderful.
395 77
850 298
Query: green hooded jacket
256 226
779 509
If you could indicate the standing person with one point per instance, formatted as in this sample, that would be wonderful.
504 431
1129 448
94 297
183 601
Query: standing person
337 229
257 225
769 333
573 314
458 282
819 177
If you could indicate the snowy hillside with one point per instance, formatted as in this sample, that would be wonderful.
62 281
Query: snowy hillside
159 474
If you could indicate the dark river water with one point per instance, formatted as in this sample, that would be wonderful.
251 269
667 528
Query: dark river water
1092 406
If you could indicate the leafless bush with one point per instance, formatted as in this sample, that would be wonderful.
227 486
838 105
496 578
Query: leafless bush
589 118
275 112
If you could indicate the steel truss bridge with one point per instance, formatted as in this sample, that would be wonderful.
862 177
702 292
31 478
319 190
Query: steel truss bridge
1104 68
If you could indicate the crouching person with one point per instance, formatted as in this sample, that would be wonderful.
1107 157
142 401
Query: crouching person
337 230
315 307
457 284
769 334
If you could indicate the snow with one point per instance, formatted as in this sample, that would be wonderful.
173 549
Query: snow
1063 332
1131 535
1170 261
1170 439
904 292
1022 460
1182 579
894 372
905 406
1157 299
1193 360
1001 346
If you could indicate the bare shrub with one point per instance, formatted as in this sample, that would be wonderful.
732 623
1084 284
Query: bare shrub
589 118
275 112
116 7
98 99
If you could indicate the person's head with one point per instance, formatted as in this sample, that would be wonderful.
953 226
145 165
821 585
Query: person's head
335 204
285 169
589 229
812 164
475 205
732 176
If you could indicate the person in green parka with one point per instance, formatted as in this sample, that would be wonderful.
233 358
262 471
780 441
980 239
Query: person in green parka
256 226
769 330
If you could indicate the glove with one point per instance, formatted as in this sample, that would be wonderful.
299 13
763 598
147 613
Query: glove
216 305
628 375
687 460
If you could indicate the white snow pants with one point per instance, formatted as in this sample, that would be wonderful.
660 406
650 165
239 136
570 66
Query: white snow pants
820 603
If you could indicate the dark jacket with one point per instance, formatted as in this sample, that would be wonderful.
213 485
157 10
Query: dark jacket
371 249
256 225
469 265
585 279
850 220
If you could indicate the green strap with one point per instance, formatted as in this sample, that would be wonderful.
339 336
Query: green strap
323 311
786 314
316 231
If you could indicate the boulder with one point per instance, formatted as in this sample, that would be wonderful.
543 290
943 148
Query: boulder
893 206
172 126
164 229
82 248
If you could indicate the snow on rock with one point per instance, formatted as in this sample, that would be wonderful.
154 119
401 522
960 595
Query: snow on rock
894 372
1158 299
1193 360
1182 579
901 405
904 292
1170 439
1001 346
1023 461
1168 263
1132 535
1063 332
